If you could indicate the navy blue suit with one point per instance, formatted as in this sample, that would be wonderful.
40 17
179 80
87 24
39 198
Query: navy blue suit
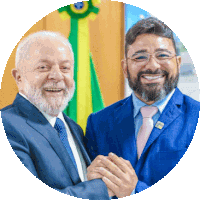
112 130
40 149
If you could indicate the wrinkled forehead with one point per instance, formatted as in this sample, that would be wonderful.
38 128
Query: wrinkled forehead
48 46
49 49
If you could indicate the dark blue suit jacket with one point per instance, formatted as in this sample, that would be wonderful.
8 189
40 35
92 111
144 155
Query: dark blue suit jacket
40 149
112 130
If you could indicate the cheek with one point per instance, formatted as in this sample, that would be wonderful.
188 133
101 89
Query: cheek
172 67
37 80
69 80
172 70
133 71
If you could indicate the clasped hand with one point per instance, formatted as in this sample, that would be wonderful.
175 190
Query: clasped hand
117 173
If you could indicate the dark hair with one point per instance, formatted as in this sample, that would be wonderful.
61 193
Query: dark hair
149 25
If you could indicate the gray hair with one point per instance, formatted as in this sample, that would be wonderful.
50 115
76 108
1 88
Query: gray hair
25 44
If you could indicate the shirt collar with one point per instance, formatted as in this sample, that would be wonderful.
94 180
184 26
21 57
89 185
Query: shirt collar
51 119
137 103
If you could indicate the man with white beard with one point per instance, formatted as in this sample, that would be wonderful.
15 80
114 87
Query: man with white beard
46 141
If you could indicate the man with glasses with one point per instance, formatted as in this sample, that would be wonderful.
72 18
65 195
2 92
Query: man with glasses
149 131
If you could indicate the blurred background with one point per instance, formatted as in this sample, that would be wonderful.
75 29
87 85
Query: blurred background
107 34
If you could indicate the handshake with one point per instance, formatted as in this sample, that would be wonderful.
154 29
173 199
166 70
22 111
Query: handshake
117 173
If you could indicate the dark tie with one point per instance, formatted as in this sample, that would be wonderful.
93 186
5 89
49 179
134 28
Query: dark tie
60 127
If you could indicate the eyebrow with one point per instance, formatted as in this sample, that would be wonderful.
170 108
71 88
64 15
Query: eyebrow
43 60
140 51
163 49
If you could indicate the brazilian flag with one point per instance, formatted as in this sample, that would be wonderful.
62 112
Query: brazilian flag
87 97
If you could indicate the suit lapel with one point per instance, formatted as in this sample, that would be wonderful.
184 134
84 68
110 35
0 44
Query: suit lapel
124 131
37 121
170 113
76 133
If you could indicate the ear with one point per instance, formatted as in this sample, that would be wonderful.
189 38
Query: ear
124 67
179 62
17 76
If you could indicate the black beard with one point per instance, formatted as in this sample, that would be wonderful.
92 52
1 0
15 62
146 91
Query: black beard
153 91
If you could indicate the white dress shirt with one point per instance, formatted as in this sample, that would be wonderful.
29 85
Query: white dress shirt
80 162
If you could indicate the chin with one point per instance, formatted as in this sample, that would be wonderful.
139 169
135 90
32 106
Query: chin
54 106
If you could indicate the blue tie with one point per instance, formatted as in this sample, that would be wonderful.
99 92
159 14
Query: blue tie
60 127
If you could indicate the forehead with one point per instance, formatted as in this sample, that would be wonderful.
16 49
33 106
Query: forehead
49 49
150 43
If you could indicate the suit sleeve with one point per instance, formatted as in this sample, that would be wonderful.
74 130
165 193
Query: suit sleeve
92 190
20 147
141 186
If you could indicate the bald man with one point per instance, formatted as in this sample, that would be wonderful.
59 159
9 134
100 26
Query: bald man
46 141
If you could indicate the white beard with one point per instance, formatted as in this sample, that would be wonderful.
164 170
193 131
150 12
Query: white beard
51 105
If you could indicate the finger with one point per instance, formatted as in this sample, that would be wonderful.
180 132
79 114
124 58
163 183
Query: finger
119 162
110 185
127 162
110 193
96 169
110 176
97 162
95 165
114 169
91 176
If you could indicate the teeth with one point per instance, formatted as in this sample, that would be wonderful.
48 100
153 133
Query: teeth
53 90
152 77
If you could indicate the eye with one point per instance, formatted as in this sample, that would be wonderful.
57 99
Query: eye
140 57
43 67
163 56
65 67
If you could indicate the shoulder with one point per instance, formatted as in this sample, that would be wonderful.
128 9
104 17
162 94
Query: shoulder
14 123
192 102
107 111
9 113
8 109
185 101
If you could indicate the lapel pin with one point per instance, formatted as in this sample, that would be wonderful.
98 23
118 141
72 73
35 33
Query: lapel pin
159 125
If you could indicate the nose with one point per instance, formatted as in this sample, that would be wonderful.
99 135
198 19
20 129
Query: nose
152 64
55 73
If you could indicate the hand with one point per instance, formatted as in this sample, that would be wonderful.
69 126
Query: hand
119 177
92 170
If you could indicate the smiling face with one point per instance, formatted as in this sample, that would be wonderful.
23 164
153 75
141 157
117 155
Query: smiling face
45 76
152 67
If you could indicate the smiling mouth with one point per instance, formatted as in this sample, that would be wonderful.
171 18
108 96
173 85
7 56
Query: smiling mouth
152 77
53 90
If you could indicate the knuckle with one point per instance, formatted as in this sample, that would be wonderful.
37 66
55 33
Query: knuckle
100 157
128 162
88 169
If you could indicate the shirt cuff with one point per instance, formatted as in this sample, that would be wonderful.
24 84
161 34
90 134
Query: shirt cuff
133 192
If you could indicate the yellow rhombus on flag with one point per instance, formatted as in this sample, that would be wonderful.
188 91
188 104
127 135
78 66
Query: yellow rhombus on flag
87 97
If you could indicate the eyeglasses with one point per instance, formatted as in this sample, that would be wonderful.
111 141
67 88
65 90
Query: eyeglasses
161 57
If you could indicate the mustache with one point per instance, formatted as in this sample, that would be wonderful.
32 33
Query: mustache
53 85
157 71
